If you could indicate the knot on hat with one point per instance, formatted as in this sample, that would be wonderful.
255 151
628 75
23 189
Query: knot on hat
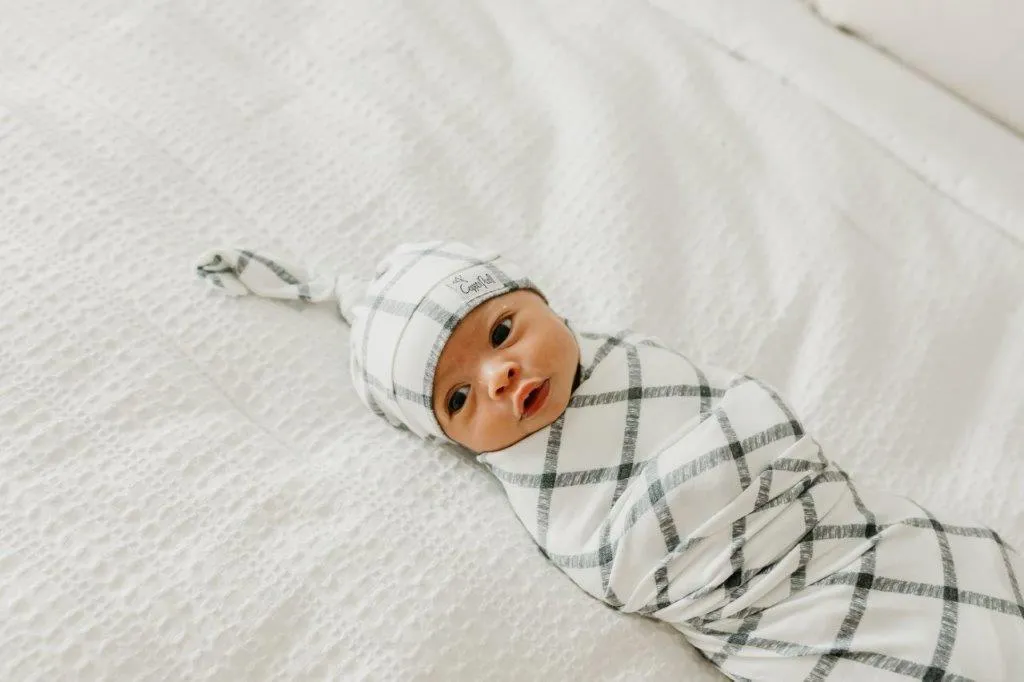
239 272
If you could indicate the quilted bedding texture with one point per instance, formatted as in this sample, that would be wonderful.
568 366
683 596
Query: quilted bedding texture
189 489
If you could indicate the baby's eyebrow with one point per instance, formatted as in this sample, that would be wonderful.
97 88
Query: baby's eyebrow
444 383
443 387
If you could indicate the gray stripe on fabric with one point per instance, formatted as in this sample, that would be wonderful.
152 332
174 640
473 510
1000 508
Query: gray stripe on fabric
882 662
610 342
667 391
274 267
547 487
858 600
243 262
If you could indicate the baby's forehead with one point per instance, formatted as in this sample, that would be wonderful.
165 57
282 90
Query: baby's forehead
464 331
471 329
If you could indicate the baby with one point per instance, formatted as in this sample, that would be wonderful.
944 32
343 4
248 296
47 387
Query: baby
681 492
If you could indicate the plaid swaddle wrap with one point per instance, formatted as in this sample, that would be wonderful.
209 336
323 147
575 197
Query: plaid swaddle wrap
694 496
401 318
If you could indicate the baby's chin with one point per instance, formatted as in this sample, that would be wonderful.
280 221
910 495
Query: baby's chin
540 422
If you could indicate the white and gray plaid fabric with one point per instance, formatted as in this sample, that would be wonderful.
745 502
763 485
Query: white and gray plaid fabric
694 496
400 319
239 272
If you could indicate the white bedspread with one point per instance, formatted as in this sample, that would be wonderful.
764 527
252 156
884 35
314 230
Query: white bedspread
189 489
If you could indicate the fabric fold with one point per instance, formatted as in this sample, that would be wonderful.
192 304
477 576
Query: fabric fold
240 272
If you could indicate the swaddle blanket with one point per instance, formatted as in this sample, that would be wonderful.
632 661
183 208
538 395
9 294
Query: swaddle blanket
693 495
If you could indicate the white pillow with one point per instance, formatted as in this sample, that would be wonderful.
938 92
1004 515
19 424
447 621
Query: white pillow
973 47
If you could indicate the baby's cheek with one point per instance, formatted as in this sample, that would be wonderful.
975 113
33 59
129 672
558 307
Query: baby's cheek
490 432
559 344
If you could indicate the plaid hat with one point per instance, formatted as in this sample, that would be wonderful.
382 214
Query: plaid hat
400 321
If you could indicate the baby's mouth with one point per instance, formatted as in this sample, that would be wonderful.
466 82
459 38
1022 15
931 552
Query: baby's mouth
535 399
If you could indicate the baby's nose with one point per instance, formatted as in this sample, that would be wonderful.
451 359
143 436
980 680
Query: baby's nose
502 378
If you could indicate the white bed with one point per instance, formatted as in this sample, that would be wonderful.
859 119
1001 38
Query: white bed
972 48
190 488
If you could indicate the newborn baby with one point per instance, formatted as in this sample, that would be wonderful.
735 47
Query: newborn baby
684 493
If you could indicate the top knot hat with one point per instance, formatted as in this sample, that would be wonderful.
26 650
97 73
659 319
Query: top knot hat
400 320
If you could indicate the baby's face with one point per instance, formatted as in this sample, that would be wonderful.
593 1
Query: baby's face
506 372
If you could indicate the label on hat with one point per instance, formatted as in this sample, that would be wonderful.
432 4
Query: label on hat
473 282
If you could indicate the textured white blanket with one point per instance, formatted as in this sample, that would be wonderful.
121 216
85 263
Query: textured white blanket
188 487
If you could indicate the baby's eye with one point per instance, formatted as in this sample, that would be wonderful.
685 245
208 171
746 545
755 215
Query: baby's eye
457 399
501 332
